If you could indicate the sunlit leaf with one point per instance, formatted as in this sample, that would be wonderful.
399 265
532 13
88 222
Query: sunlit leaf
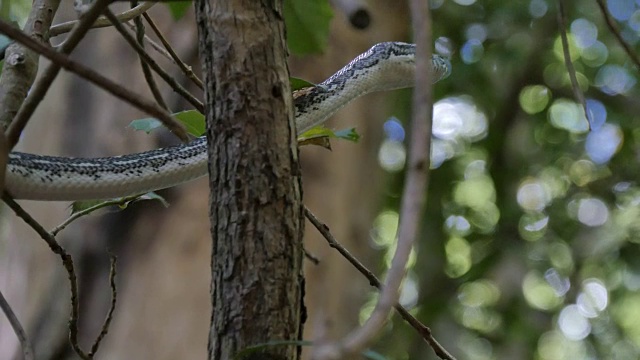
297 84
315 135
192 120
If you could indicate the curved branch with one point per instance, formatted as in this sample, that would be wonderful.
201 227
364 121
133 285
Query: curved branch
103 21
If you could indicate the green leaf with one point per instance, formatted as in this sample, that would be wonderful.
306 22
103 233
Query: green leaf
347 134
297 84
309 136
178 8
147 124
307 24
192 120
78 206
152 195
89 206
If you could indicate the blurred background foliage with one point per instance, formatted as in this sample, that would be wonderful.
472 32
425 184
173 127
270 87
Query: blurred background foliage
530 244
530 239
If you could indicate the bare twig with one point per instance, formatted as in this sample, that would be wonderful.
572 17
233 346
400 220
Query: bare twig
422 329
146 70
184 67
25 344
67 261
616 32
89 210
119 91
154 65
562 25
38 91
102 21
114 296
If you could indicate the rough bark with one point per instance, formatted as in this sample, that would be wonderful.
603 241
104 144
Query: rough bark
255 201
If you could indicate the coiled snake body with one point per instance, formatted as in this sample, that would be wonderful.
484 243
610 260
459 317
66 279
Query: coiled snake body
386 66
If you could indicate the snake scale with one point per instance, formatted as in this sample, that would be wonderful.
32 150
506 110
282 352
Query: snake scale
386 66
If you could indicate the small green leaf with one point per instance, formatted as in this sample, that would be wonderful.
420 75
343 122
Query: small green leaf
307 25
89 206
151 195
178 8
348 134
192 120
297 84
147 124
78 206
323 132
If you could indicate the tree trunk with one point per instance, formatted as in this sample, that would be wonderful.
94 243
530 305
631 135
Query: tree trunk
255 202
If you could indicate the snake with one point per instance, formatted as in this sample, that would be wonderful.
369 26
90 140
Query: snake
385 66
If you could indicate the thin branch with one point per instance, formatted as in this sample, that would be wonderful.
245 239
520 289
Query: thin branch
146 70
184 67
67 262
39 90
562 24
154 65
89 210
25 344
119 91
616 32
422 329
109 317
102 21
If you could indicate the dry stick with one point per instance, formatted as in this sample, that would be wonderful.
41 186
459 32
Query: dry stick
103 22
184 67
569 64
40 88
616 32
148 76
154 65
25 344
114 295
422 329
119 91
67 261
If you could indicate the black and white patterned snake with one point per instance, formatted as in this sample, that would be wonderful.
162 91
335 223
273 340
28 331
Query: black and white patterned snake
386 66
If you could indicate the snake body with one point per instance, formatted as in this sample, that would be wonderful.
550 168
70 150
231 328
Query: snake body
386 66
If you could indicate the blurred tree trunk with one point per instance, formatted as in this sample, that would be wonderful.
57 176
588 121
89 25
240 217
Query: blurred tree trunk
256 200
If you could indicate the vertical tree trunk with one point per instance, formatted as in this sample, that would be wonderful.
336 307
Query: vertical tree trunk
255 203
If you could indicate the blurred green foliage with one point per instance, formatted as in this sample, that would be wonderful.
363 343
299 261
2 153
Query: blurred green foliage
530 241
